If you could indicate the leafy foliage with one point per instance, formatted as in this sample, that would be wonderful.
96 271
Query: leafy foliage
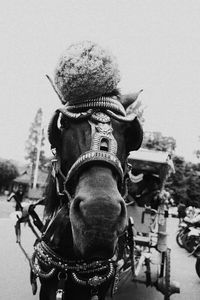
184 184
192 172
8 171
178 181
156 141
197 152
36 135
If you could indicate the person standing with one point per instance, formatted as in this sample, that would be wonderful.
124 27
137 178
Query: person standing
181 211
18 197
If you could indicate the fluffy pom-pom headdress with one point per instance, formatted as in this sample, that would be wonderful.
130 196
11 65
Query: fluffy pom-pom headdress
86 71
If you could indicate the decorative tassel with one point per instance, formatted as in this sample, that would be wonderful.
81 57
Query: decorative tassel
94 293
34 287
95 297
59 294
62 277
33 279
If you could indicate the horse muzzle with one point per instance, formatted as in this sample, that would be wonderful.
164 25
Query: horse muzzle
97 220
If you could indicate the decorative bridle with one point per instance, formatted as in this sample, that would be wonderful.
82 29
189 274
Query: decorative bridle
90 274
98 112
45 263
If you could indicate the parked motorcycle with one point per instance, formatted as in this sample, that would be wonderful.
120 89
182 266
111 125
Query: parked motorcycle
188 235
192 238
197 266
196 253
183 229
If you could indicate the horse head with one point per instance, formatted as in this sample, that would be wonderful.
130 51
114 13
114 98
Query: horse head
92 148
91 136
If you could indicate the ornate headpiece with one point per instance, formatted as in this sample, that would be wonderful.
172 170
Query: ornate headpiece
86 71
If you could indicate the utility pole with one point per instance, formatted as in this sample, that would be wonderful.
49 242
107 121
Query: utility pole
38 154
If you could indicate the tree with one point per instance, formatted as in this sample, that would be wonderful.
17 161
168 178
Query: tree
35 142
193 190
156 141
178 181
192 174
8 171
184 184
197 151
175 182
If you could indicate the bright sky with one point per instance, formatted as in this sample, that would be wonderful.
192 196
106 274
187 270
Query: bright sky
157 44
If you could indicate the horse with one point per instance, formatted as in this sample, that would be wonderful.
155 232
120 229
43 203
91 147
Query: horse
78 252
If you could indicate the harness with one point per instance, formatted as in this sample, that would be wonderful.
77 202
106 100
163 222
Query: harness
45 263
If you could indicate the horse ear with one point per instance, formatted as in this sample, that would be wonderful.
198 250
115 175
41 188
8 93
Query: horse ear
133 131
128 99
54 133
133 135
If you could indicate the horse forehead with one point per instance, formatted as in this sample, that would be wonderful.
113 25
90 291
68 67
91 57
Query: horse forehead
81 132
77 134
82 136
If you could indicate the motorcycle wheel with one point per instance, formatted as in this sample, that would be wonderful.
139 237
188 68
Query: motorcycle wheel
184 240
179 239
197 267
190 243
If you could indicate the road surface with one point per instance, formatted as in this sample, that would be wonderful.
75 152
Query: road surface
14 270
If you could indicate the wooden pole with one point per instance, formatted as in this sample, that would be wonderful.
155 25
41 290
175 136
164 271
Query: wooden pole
38 155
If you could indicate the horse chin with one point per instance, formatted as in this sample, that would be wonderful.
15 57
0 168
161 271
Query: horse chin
95 246
95 252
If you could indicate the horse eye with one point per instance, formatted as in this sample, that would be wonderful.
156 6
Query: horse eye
64 123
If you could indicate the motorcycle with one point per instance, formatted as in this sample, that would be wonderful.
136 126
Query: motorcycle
192 238
196 253
182 231
188 235
197 266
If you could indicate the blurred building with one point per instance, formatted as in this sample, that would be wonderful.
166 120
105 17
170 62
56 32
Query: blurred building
25 179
